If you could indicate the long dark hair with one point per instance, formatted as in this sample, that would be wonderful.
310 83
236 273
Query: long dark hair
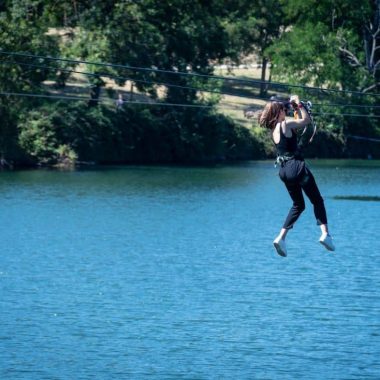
269 116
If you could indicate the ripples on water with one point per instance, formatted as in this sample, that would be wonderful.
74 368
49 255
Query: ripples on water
169 273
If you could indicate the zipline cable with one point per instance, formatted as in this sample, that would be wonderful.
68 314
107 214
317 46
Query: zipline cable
130 79
345 114
363 138
44 67
112 101
344 105
137 68
102 100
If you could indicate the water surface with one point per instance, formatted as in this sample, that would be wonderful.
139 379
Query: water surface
170 273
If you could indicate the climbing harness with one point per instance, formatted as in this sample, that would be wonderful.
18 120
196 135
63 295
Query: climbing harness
281 160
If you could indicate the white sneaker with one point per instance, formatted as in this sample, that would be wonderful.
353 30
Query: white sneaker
280 246
327 241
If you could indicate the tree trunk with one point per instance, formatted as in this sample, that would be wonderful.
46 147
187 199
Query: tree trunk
75 9
263 86
371 38
94 94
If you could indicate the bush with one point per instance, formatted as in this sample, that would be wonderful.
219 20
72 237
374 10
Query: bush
61 132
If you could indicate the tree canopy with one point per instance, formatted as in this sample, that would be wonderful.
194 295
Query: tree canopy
333 45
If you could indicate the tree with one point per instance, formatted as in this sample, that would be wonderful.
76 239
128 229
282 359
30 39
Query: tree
19 33
170 35
330 44
371 38
253 28
333 45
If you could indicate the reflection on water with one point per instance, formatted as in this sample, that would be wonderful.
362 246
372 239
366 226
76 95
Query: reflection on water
170 273
357 198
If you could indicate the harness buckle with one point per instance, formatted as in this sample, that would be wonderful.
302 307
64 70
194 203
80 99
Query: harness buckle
280 160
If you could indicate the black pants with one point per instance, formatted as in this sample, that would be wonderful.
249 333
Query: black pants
298 177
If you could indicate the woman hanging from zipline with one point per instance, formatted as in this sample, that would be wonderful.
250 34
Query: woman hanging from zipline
293 171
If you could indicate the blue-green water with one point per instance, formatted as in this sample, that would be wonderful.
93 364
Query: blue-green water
170 273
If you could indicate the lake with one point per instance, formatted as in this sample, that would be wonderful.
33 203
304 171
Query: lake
170 273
